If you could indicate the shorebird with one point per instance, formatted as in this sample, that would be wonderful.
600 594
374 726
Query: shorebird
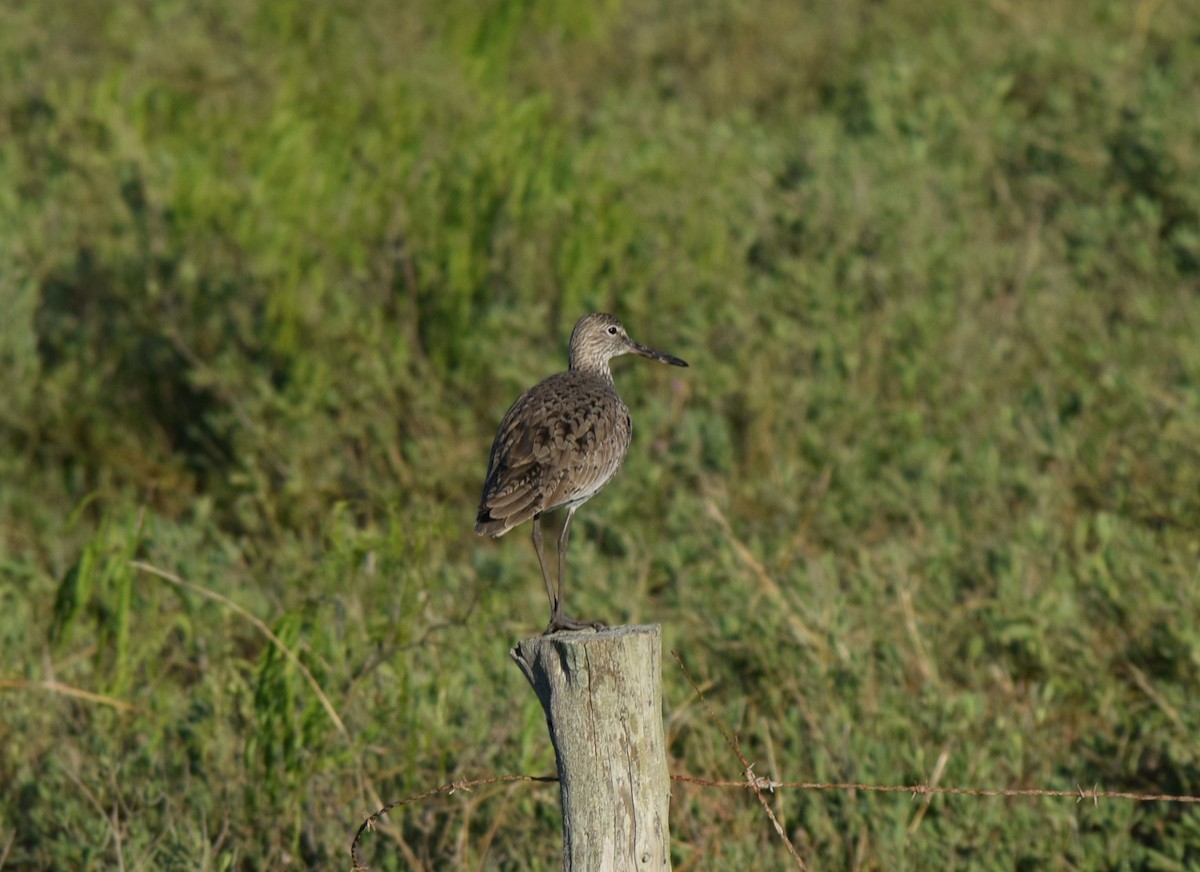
559 444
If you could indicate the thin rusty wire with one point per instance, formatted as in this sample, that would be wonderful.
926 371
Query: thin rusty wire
1079 794
449 788
759 783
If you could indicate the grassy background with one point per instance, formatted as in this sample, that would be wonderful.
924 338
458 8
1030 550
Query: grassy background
927 502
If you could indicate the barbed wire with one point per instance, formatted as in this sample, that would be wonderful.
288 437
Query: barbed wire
1079 793
759 784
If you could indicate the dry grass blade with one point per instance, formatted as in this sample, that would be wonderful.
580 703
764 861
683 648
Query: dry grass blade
174 579
67 690
291 656
799 628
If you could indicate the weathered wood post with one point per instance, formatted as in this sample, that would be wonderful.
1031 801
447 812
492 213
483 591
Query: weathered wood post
602 694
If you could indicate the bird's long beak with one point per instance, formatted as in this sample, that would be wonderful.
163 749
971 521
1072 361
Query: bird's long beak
654 354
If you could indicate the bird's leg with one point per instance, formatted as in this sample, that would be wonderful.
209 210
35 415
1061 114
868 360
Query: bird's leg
562 551
537 545
559 620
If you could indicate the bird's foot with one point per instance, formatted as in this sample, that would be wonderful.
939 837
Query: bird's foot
560 623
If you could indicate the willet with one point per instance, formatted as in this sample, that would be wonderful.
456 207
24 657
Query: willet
559 444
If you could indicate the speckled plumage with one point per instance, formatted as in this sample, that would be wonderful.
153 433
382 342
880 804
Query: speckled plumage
560 443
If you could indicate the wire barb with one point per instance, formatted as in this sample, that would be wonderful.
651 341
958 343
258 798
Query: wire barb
752 780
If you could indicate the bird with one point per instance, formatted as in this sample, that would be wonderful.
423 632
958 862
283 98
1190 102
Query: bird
559 444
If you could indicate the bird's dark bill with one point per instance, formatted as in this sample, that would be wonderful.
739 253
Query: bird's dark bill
655 354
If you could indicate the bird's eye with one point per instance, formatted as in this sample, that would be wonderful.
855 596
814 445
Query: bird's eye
612 331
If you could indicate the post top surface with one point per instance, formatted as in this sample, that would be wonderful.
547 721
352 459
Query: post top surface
608 634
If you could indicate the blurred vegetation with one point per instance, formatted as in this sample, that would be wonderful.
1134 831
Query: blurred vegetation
927 500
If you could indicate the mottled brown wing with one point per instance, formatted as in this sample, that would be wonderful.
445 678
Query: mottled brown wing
560 443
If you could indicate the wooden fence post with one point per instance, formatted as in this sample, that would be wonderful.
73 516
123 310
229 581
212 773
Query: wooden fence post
602 694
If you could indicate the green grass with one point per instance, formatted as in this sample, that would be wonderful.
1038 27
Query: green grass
927 500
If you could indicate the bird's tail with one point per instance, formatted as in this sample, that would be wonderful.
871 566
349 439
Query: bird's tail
486 525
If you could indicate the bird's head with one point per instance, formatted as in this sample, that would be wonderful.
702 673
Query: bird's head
599 337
